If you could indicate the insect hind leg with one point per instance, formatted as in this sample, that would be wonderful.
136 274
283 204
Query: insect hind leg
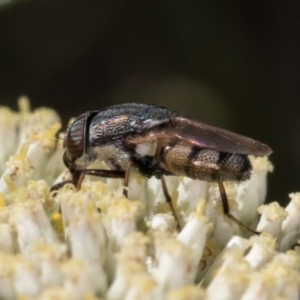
169 200
126 179
226 209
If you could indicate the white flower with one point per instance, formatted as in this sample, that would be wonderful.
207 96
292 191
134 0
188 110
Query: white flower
94 243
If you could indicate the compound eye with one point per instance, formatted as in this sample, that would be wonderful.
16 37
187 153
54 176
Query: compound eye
75 137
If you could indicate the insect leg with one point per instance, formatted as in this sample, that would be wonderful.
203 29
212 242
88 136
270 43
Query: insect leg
104 173
79 181
126 180
75 177
93 172
60 185
226 209
99 173
169 200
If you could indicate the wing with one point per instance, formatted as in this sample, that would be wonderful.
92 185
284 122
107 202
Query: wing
192 133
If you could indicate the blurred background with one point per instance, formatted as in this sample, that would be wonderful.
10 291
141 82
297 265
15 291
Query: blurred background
232 64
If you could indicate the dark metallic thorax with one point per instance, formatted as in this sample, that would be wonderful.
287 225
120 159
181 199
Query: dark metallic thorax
120 120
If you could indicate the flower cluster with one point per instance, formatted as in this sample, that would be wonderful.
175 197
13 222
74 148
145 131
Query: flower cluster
94 243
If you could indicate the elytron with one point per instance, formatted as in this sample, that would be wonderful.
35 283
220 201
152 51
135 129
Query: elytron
156 142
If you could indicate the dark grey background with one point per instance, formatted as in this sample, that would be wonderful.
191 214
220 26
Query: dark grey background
233 64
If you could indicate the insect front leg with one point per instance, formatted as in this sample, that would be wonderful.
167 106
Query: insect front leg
108 174
226 209
99 173
75 177
169 200
60 185
126 179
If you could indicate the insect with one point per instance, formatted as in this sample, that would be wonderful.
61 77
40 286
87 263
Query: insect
157 142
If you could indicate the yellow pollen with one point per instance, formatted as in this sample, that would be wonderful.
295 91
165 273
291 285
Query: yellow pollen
2 200
10 184
23 152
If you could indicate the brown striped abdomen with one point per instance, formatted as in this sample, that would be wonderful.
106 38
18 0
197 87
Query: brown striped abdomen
203 164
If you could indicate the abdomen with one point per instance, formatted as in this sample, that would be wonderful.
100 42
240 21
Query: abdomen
203 164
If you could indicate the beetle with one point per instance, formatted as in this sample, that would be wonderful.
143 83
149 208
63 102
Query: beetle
157 142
